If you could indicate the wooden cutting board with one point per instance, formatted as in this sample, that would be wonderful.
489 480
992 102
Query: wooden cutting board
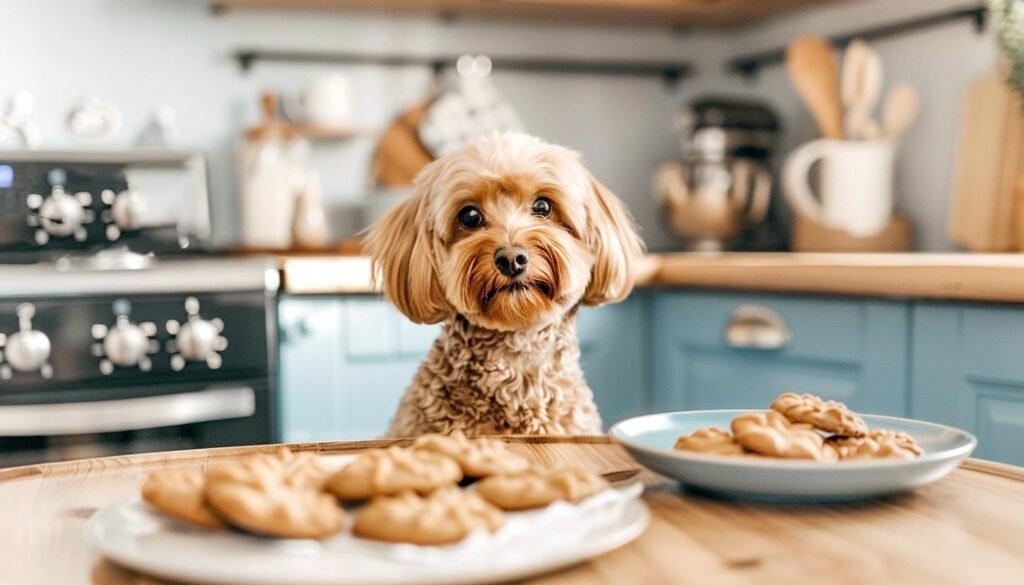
400 154
989 161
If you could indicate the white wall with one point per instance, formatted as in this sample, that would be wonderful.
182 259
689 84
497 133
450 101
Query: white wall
140 53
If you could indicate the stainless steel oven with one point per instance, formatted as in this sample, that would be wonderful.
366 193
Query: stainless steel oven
55 202
119 331
99 362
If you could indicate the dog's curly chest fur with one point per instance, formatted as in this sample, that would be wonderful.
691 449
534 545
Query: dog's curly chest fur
483 381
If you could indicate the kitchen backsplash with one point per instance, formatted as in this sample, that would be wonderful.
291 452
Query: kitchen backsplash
139 54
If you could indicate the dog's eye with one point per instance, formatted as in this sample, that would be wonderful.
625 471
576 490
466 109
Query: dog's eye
541 207
470 217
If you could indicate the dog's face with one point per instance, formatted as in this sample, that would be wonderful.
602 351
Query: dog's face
509 232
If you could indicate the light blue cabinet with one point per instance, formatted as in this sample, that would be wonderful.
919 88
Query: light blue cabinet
344 364
968 371
853 350
613 349
309 367
346 361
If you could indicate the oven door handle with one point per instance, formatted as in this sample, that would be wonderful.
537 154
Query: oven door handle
130 414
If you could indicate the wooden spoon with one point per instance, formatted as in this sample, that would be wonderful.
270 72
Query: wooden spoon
813 70
861 86
900 109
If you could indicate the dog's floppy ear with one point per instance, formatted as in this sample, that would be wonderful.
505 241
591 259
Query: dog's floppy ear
615 244
402 255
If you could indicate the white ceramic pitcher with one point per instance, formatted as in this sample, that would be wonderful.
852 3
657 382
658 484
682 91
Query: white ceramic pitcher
855 188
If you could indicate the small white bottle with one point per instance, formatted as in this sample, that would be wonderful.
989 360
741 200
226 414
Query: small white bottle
309 225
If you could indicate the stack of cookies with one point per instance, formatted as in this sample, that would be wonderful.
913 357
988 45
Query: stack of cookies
412 495
802 426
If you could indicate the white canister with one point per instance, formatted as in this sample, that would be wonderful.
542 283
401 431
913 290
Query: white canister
325 101
271 175
855 191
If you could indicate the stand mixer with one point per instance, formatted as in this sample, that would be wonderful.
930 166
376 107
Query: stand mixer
722 184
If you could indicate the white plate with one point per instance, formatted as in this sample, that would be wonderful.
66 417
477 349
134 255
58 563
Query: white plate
529 543
649 440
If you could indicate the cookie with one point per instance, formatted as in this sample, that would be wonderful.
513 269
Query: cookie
179 494
827 415
476 457
878 444
386 472
710 441
770 433
275 495
446 515
537 487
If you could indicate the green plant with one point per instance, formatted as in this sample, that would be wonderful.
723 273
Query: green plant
1009 20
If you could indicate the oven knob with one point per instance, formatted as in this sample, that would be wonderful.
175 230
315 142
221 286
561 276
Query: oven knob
128 210
29 349
62 215
126 345
197 339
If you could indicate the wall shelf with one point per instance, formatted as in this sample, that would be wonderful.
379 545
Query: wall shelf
670 71
325 133
272 126
654 13
749 65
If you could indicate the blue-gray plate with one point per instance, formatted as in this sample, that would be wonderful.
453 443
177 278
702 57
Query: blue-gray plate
649 439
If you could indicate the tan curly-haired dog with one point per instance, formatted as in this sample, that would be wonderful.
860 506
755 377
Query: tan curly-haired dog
503 240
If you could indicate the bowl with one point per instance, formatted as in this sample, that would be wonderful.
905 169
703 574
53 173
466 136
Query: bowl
649 439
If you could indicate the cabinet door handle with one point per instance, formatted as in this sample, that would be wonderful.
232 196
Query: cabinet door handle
757 327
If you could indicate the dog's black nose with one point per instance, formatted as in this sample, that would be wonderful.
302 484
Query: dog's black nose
511 261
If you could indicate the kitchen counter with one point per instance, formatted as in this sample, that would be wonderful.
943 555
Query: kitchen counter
954 531
978 277
326 274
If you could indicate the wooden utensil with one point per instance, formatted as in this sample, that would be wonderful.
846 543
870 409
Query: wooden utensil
861 87
400 154
988 163
271 125
899 110
815 75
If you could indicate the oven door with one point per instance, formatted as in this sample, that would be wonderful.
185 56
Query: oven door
217 415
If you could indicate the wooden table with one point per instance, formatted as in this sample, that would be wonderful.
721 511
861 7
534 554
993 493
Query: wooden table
968 528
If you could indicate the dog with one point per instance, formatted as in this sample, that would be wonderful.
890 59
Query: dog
502 241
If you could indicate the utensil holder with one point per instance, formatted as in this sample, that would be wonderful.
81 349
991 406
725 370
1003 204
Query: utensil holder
810 235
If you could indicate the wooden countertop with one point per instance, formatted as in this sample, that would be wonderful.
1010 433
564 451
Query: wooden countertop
962 528
312 275
976 277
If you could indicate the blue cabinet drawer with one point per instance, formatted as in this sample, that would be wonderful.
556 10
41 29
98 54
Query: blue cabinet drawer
968 371
853 350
